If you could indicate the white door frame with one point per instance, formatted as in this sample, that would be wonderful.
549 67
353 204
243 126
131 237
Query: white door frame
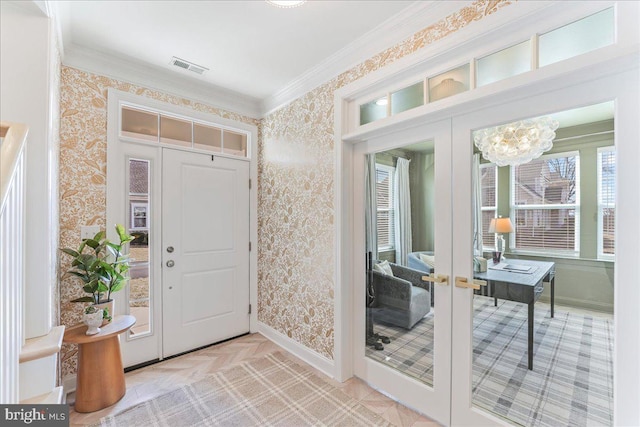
584 68
115 209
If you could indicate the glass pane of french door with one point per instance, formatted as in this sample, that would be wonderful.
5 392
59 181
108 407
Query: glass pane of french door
399 218
403 192
543 353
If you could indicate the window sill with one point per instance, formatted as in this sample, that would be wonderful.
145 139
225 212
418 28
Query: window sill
557 256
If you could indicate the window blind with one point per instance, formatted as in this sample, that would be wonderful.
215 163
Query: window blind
385 213
489 189
606 201
545 204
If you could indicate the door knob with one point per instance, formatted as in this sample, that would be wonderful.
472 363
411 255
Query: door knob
462 282
170 263
169 249
440 279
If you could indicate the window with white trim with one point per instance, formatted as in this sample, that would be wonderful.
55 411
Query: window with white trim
606 202
385 214
489 202
545 205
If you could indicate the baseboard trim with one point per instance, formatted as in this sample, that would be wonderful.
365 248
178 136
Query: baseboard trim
309 356
68 385
579 303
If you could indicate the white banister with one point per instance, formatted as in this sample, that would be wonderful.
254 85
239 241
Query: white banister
12 275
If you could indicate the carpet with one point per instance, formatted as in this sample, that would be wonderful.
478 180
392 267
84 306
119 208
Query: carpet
269 391
572 379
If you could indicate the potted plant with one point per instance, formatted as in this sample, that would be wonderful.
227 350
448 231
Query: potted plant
102 268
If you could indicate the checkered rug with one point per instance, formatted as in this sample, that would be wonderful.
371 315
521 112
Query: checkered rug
572 379
269 391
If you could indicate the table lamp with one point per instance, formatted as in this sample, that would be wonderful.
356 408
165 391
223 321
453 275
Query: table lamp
500 226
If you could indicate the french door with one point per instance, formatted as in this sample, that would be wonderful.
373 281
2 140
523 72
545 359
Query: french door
411 361
450 393
575 357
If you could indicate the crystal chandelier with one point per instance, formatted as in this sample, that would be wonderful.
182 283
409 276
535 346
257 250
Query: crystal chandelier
518 142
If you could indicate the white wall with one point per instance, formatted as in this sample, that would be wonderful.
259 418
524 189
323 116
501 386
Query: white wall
26 69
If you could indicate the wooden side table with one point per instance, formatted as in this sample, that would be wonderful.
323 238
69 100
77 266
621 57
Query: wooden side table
100 382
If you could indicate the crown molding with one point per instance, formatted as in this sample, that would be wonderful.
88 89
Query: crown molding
396 29
160 79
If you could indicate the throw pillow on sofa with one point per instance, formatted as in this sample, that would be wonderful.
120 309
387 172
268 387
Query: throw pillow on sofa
383 267
430 260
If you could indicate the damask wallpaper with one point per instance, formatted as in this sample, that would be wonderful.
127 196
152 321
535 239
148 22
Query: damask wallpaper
83 160
296 197
295 187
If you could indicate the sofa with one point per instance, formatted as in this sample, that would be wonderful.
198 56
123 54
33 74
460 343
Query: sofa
402 299
414 261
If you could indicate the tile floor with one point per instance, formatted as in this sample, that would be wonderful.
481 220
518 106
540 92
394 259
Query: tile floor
147 383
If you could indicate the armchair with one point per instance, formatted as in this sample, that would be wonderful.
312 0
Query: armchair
402 299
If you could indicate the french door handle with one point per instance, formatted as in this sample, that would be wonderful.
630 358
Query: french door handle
462 282
437 278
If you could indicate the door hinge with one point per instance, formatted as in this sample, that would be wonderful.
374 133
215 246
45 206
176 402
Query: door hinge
249 308
249 246
249 183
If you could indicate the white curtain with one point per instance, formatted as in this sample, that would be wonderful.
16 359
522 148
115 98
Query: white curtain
476 200
402 207
371 206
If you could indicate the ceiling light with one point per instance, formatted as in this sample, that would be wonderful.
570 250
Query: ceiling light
382 101
285 3
518 142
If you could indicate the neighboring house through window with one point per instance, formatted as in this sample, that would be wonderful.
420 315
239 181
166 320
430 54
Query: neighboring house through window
139 195
545 204
385 214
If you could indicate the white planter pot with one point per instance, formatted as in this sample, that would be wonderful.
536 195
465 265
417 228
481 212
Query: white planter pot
93 321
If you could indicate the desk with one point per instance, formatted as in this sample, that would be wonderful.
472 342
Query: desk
521 287
100 382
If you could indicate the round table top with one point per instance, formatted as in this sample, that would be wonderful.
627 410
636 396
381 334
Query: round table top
119 324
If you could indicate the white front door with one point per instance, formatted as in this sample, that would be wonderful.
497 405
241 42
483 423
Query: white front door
205 250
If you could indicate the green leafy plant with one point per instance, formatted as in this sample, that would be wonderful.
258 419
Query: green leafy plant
100 265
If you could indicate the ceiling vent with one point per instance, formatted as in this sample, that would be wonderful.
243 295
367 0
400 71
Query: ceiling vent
188 65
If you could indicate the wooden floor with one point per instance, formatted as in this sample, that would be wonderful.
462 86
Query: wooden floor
147 383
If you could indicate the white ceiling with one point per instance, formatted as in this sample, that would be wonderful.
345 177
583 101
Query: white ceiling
250 47
259 56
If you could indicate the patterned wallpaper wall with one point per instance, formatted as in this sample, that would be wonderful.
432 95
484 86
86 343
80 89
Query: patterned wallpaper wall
296 196
295 189
83 159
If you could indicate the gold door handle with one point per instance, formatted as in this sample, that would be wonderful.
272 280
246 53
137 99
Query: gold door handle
462 282
439 279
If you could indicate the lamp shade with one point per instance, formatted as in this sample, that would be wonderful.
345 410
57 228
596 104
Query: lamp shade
501 225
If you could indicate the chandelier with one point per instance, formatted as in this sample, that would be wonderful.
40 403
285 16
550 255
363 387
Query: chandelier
518 142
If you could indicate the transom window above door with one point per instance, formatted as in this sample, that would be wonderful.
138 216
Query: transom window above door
515 57
146 125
